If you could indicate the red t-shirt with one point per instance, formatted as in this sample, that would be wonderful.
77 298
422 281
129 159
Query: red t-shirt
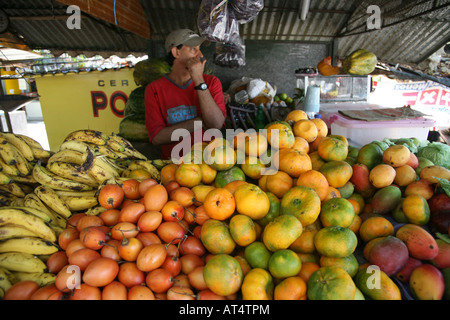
166 104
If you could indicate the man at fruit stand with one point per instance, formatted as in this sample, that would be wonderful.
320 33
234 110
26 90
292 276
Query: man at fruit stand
183 96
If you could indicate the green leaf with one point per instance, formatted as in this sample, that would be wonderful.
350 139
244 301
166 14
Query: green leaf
445 184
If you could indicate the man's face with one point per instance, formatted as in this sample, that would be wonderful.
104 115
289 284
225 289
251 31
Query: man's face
187 52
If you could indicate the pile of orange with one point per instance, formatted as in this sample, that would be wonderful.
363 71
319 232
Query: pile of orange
250 230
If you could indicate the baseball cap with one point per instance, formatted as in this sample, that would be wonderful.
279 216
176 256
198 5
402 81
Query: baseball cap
183 36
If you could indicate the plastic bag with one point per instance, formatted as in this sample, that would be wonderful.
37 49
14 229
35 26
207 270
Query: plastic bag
217 22
246 10
229 55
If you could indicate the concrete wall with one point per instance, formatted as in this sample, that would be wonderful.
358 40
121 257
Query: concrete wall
274 62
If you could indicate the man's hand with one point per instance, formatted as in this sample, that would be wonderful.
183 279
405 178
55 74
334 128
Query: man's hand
196 68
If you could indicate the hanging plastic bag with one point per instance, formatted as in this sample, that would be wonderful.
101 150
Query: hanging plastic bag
230 55
217 23
246 10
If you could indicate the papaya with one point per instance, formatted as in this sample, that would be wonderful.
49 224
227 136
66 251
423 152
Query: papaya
421 244
359 62
375 284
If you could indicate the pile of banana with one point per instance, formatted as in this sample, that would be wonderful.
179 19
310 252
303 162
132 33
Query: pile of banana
28 236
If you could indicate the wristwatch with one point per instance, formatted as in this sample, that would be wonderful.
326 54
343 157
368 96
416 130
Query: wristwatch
201 86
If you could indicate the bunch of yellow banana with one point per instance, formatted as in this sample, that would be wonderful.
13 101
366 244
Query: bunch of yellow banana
26 236
18 155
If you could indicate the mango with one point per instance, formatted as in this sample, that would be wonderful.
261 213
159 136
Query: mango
427 283
360 180
376 284
386 199
390 254
442 260
420 243
404 274
430 173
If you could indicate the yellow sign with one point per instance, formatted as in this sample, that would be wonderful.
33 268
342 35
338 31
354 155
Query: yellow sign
87 100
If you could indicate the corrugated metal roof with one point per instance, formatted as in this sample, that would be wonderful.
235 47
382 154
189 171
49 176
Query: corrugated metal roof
411 30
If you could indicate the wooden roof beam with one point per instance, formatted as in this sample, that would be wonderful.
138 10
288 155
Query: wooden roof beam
126 14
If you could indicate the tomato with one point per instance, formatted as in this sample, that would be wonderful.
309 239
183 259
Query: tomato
130 275
192 245
149 221
93 237
22 290
74 246
110 250
110 216
86 292
72 222
140 293
68 278
171 232
196 278
101 272
131 212
172 264
66 236
184 195
180 293
89 221
159 280
124 230
129 248
145 185
115 291
83 257
48 292
57 261
172 211
189 262
148 238
151 257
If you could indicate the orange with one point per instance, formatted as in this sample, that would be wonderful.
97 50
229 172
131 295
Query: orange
396 155
382 175
331 283
334 241
280 136
305 129
293 162
296 115
301 144
215 236
308 268
219 154
348 263
356 224
370 155
224 177
274 210
359 199
257 255
332 149
233 185
416 209
316 160
332 193
305 243
251 201
322 128
168 173
292 288
200 193
223 275
375 227
188 175
253 167
337 172
242 229
219 204
208 173
404 175
316 181
337 212
284 263
281 232
278 183
257 285
301 202
338 136
356 206
256 144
